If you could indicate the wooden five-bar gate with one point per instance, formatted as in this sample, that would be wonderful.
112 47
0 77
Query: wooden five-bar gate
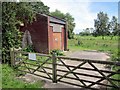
90 74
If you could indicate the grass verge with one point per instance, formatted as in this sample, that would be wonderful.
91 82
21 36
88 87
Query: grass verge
9 79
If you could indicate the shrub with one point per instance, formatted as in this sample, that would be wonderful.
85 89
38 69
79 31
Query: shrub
79 42
57 52
12 15
29 48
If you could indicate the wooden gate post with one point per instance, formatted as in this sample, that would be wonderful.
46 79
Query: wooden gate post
54 68
12 57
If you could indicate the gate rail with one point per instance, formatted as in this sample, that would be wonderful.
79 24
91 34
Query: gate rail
107 76
76 75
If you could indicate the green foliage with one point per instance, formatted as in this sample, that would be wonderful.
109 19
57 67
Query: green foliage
101 24
58 14
9 79
70 21
39 7
0 75
12 15
29 48
57 52
79 43
103 27
70 25
116 76
86 32
113 26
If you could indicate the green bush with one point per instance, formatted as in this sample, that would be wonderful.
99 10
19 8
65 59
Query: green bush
57 52
11 36
29 48
79 43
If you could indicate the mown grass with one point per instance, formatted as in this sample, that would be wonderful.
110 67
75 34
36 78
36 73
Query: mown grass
9 79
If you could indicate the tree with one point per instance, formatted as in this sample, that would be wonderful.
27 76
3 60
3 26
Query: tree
114 26
70 25
39 7
86 32
69 19
13 14
101 24
0 15
58 14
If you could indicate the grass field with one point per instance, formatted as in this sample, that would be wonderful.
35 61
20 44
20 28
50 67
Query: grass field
94 43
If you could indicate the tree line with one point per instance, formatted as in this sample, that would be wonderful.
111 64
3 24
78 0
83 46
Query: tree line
103 26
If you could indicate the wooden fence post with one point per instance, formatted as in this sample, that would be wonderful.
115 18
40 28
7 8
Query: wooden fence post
12 57
54 68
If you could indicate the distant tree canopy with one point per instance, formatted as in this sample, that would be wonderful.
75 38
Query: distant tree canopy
113 26
86 32
101 24
69 19
13 14
104 27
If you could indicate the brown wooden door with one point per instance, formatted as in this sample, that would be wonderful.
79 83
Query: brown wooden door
57 40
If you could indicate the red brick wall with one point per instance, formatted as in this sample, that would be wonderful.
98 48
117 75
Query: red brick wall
39 33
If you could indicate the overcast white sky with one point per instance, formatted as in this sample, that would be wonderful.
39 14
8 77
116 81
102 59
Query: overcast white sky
84 11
